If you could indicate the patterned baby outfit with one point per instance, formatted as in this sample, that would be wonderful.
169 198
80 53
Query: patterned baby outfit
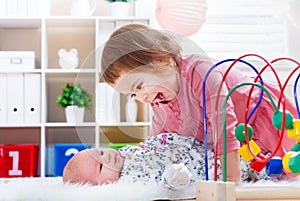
148 161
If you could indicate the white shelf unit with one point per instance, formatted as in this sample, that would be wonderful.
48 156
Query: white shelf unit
46 36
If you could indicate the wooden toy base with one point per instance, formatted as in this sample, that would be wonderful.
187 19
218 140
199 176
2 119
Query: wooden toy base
227 191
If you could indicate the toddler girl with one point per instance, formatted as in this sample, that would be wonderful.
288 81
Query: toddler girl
148 65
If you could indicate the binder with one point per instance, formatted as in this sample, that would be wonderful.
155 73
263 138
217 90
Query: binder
3 100
107 28
15 97
12 8
22 6
109 104
2 8
102 103
113 105
32 98
32 8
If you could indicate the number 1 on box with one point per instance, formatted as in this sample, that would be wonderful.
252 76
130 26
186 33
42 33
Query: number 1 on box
15 166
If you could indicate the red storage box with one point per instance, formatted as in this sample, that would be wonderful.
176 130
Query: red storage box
19 160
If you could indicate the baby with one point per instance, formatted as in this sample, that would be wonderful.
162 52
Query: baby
167 159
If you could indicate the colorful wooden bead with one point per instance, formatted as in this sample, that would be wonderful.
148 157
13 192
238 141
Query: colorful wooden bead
274 166
258 165
277 120
296 147
245 152
294 162
286 159
240 132
294 132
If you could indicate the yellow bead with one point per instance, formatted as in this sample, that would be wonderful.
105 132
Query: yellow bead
245 152
285 161
295 131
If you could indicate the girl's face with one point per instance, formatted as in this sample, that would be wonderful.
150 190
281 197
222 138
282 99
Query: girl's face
160 84
99 166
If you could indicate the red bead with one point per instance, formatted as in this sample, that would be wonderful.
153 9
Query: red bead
258 165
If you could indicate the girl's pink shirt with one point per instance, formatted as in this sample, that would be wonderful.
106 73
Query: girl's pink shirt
184 114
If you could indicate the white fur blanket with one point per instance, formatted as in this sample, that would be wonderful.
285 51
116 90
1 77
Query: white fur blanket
53 189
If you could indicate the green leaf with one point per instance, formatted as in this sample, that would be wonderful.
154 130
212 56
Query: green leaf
74 95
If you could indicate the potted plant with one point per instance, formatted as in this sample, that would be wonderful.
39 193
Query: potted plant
74 99
119 8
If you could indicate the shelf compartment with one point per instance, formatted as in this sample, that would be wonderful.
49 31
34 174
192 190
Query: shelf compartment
20 135
54 85
17 35
68 34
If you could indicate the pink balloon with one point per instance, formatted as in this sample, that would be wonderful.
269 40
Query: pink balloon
184 17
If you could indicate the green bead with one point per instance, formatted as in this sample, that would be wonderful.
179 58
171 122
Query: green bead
240 132
296 147
294 163
277 120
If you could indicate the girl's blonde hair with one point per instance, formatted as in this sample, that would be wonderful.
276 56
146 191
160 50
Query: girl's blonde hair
133 46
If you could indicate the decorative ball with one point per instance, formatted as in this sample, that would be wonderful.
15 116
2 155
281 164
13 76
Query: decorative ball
277 120
240 132
181 17
68 60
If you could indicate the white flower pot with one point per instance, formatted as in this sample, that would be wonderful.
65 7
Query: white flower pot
119 9
74 114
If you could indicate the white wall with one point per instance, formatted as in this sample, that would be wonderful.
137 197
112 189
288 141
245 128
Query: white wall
293 29
62 7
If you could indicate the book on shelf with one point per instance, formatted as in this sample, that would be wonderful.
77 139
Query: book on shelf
109 104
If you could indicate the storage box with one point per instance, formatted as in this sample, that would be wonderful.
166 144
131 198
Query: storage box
17 60
63 153
19 160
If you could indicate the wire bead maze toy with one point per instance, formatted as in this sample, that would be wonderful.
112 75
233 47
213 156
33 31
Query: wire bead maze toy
282 120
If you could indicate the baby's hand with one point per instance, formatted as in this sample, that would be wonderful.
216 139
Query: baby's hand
177 176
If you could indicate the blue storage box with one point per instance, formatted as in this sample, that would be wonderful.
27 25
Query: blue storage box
63 153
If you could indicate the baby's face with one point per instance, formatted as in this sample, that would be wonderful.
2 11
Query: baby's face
99 166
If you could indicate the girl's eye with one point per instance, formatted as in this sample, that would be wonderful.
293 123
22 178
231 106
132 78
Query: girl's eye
133 96
139 86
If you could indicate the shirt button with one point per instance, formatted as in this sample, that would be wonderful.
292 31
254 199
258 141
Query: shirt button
176 114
